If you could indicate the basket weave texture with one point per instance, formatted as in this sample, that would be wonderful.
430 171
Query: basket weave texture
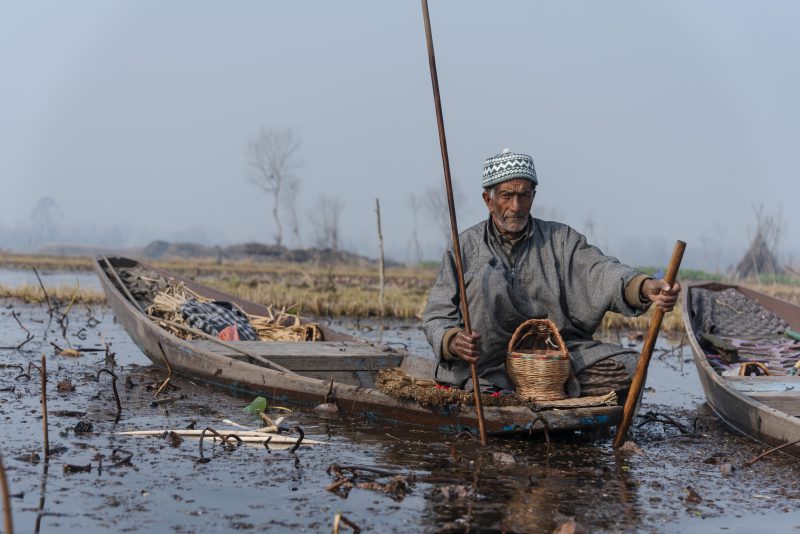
537 361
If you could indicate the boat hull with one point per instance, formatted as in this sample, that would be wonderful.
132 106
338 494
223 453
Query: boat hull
187 359
738 400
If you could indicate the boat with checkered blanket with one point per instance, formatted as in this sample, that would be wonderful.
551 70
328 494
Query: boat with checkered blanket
747 352
302 372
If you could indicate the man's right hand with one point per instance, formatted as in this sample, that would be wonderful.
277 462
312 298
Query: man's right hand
465 346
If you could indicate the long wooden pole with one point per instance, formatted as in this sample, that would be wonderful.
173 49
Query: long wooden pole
637 384
451 205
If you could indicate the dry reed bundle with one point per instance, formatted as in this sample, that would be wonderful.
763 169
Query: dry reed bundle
397 383
282 326
275 326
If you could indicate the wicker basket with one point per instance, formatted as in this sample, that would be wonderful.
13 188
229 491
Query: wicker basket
537 361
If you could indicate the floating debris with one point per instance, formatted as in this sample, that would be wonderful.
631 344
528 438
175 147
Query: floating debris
246 436
65 386
70 468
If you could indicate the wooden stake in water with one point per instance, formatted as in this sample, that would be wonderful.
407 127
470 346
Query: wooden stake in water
43 372
8 525
382 265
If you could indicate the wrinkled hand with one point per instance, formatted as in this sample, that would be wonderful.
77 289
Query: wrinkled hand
661 294
465 346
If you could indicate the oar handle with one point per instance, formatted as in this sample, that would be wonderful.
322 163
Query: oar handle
637 383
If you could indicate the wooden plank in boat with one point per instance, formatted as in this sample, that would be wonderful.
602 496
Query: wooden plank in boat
311 356
364 379
751 384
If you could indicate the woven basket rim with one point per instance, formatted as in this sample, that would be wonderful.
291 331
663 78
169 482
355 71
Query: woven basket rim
539 374
551 327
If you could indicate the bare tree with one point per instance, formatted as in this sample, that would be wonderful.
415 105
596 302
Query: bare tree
272 157
292 189
326 217
42 220
414 205
434 204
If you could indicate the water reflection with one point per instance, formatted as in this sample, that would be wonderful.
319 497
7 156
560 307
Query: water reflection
513 485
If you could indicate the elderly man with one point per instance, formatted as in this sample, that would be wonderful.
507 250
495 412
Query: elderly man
517 267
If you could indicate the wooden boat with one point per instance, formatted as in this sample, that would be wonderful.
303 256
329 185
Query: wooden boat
730 327
309 367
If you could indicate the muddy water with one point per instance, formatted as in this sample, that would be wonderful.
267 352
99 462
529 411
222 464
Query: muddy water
153 484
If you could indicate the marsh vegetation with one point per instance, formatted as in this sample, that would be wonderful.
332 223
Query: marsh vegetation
333 289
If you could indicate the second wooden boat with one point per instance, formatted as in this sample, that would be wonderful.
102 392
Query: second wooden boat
746 357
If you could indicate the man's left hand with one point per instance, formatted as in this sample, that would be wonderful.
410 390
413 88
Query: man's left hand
660 293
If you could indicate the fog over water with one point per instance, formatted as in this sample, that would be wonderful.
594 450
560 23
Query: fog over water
125 122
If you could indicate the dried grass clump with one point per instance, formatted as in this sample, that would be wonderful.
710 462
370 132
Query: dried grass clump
397 383
33 294
331 300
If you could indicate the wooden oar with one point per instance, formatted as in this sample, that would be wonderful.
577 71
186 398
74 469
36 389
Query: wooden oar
637 384
451 205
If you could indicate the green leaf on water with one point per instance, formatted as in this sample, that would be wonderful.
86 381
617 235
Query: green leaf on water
257 406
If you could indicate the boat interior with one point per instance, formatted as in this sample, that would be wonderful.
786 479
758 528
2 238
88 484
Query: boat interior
748 345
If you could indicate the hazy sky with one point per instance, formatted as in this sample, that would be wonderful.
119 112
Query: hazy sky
655 120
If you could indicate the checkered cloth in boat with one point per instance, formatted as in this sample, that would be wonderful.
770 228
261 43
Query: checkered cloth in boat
212 317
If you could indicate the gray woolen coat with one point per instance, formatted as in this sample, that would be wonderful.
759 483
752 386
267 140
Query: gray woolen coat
557 276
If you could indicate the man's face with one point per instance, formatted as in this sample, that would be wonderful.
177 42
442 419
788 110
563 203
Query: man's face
511 204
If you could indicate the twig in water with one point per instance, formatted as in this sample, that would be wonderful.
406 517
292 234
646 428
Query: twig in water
330 396
770 451
46 297
336 469
169 372
114 387
18 366
126 460
63 321
7 523
91 321
28 335
224 439
299 440
43 376
72 300
546 429
23 374
340 519
342 482
653 417
266 443
109 355
166 400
